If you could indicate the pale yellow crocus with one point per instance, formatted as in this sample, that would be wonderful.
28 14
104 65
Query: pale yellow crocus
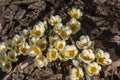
54 20
7 66
75 13
87 56
18 40
103 58
41 61
52 54
37 31
76 73
3 47
35 51
84 42
70 51
93 69
42 43
74 25
24 48
65 33
12 56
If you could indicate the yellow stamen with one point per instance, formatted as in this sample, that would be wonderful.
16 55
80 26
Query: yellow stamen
101 59
60 46
42 46
24 50
12 56
36 50
7 66
71 53
41 58
53 54
75 15
55 22
73 27
3 58
93 69
86 57
64 34
77 73
84 44
18 41
37 33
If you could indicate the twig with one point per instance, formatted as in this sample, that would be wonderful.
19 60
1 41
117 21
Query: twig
73 42
18 2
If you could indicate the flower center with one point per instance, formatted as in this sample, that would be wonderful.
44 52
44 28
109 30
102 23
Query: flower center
12 56
17 41
64 34
42 46
7 66
24 50
60 46
84 44
73 27
75 15
86 57
55 22
3 58
41 58
101 59
53 54
77 73
36 50
93 69
37 32
71 53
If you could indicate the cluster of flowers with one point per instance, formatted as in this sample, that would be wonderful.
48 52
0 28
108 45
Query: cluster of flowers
34 43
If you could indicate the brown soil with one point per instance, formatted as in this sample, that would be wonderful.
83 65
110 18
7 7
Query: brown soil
101 21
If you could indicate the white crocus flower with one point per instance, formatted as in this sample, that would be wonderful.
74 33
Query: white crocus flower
75 13
24 48
41 61
52 54
53 39
76 63
86 56
35 51
43 24
60 44
74 25
37 31
18 39
62 56
7 66
9 44
70 51
103 58
76 74
65 32
58 27
3 47
26 33
32 41
93 69
42 43
17 51
12 56
84 42
3 58
54 20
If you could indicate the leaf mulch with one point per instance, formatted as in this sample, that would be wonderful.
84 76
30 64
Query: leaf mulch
101 21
